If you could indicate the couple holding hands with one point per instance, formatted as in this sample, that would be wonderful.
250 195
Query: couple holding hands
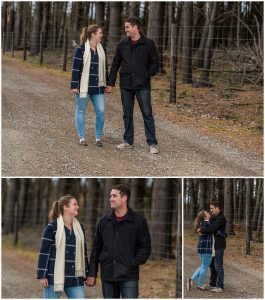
137 58
122 243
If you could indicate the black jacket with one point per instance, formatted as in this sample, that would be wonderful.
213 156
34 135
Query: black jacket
120 247
217 226
138 63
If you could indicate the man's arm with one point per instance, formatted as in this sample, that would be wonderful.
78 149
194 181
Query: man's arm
96 250
144 245
153 66
116 63
217 225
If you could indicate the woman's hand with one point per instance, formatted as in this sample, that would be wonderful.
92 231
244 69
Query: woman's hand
108 89
75 91
44 282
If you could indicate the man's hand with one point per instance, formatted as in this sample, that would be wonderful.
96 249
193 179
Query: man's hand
91 281
75 91
44 282
108 89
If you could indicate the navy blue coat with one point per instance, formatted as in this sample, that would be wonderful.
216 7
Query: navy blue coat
217 227
205 241
47 256
77 70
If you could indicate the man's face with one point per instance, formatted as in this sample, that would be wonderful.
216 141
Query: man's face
129 29
214 210
116 200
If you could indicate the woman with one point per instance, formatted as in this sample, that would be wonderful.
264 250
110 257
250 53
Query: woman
205 250
89 76
63 263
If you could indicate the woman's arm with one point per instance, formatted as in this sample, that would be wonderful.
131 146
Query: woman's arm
44 255
77 69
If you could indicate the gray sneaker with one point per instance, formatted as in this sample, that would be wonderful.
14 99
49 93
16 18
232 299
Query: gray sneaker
153 149
124 146
216 290
83 142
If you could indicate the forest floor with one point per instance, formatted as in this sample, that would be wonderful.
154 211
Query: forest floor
243 273
39 137
157 278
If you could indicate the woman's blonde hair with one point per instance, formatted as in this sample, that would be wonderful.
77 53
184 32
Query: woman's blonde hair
87 32
200 217
57 206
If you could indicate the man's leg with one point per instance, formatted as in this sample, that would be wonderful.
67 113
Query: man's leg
129 289
218 264
110 290
127 98
144 100
213 274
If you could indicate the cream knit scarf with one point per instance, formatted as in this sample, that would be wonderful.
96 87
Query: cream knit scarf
86 68
60 242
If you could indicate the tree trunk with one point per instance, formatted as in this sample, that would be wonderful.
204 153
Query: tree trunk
202 194
208 53
18 25
134 9
259 189
35 36
45 22
155 30
187 43
259 235
161 217
62 24
100 13
248 231
228 205
91 208
137 189
179 250
9 24
114 25
8 222
192 198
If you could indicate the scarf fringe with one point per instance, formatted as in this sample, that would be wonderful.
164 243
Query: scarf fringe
59 287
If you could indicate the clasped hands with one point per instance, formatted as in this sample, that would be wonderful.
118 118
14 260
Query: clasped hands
108 90
90 281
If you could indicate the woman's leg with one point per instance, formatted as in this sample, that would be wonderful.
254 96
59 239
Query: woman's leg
80 112
49 293
205 263
99 106
75 292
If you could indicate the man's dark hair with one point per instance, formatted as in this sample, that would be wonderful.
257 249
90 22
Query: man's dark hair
133 21
123 189
216 204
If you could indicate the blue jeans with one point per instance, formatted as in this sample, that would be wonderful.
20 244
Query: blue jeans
217 269
144 100
202 270
99 106
124 289
75 292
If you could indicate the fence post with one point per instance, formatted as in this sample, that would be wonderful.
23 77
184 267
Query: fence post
4 43
16 224
41 47
12 44
65 42
173 64
25 46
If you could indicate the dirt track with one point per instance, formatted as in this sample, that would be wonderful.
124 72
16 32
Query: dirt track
19 279
241 281
39 137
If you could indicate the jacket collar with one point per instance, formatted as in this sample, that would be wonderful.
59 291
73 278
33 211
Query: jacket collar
128 217
142 40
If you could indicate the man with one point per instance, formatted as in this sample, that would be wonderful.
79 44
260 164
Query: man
121 244
138 59
217 227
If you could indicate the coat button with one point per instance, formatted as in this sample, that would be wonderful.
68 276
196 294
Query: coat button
114 261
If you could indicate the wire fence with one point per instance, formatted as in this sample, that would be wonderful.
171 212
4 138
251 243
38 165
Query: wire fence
227 66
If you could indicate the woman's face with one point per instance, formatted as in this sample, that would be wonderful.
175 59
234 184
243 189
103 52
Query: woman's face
207 215
98 35
72 208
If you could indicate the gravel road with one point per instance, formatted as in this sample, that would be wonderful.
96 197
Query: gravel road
39 137
19 279
240 281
